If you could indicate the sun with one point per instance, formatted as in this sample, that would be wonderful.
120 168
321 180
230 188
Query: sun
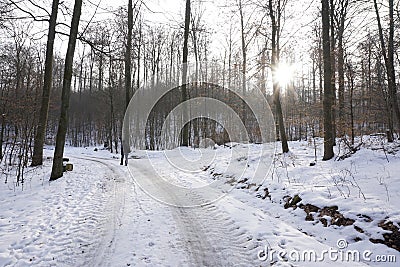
284 74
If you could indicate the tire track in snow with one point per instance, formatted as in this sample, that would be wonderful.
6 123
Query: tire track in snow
209 236
212 238
66 220
90 219
113 211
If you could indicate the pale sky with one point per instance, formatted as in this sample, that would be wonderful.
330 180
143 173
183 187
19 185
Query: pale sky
170 13
218 17
301 15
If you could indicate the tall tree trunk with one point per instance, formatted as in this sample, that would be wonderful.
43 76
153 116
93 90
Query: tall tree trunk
320 68
57 169
328 91
138 55
276 87
3 127
313 73
333 62
341 122
340 63
351 88
184 96
37 157
128 63
195 48
128 80
263 64
244 61
230 59
389 63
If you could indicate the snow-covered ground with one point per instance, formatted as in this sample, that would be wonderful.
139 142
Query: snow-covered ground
104 214
364 187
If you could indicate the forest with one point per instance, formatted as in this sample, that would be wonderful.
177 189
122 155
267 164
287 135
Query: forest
199 133
69 69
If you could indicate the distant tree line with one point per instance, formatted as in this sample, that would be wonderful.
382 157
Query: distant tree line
346 87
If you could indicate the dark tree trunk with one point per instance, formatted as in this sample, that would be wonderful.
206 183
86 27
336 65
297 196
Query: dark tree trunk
138 55
263 78
128 81
351 88
244 61
320 67
57 169
276 87
340 65
328 91
184 96
389 63
341 122
37 157
333 62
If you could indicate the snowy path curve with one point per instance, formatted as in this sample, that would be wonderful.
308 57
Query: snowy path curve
63 221
113 211
203 236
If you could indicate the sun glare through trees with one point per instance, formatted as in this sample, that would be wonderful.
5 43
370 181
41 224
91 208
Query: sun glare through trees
285 74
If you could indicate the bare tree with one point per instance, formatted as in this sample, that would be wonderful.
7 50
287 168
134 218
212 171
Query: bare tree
388 55
333 41
184 96
37 157
128 77
244 58
328 91
340 22
276 16
57 168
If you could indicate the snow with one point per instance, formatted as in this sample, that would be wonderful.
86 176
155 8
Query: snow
366 184
203 207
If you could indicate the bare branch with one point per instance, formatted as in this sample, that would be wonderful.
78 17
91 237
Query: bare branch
31 15
40 7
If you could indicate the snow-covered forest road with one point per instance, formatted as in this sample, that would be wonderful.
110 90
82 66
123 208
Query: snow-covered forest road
100 215
143 231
